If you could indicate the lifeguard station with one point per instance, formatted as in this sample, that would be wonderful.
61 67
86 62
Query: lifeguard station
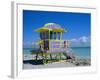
51 41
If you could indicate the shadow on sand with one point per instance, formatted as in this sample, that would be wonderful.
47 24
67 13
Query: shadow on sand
33 62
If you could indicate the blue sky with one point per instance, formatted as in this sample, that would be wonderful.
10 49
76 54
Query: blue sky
77 24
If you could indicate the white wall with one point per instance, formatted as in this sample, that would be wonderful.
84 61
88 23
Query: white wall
5 37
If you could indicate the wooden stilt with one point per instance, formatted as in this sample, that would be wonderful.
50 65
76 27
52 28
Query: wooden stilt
51 57
56 57
45 58
36 57
60 56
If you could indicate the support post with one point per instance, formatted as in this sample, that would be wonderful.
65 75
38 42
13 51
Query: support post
43 57
45 61
51 57
60 56
36 57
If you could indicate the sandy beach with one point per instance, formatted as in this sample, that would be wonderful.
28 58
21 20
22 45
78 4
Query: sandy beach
49 65
29 63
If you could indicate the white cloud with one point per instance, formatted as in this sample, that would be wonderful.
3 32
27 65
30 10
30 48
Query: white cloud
80 42
83 39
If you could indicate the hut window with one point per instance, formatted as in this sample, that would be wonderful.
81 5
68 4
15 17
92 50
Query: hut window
51 34
44 35
54 35
58 35
40 35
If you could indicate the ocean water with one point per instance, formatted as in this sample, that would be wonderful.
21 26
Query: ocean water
80 52
27 51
